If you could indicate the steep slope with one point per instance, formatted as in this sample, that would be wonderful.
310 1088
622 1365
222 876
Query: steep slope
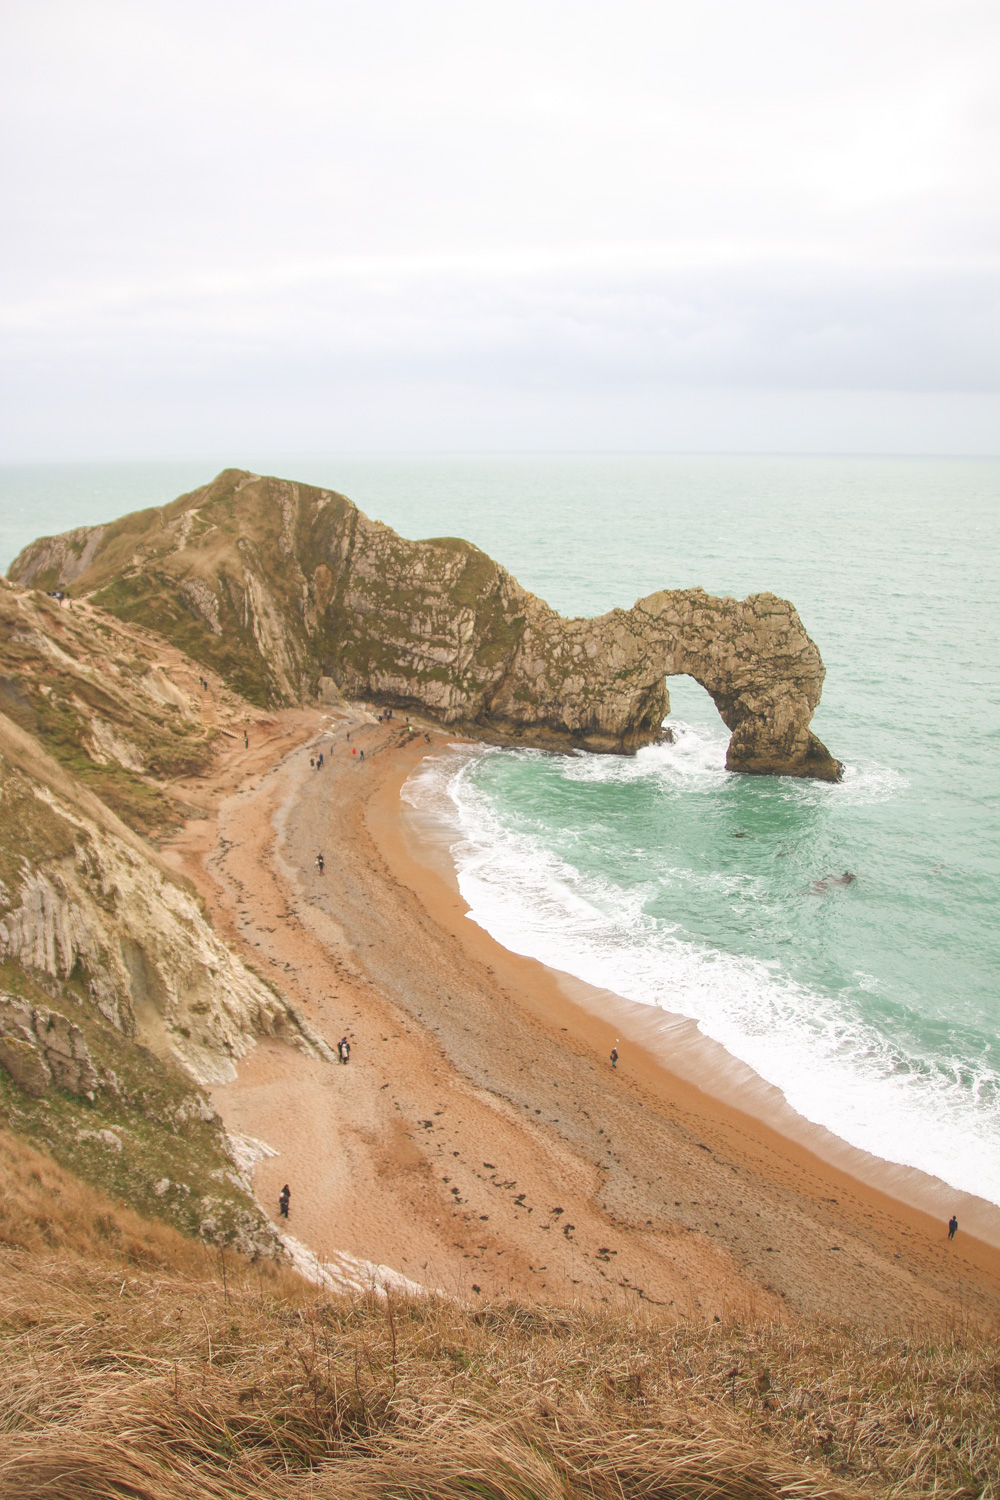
290 592
138 1366
117 1000
100 698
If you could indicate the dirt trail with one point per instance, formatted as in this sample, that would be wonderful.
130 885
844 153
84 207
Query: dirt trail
478 1141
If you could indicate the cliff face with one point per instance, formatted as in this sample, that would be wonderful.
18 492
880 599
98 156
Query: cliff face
291 592
118 1002
82 896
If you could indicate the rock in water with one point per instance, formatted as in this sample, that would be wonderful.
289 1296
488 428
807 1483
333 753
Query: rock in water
284 589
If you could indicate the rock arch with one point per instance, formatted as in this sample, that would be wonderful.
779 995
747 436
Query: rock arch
286 590
601 683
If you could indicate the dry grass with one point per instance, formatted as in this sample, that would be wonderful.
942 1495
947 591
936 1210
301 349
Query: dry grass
44 1209
137 1364
137 1383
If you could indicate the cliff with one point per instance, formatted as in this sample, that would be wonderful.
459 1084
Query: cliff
118 1002
290 593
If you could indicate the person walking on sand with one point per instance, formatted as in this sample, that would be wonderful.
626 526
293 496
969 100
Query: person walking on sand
284 1198
362 755
614 1057
344 1050
952 1227
320 862
246 740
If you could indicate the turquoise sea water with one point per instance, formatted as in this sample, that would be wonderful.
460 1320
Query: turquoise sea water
873 1005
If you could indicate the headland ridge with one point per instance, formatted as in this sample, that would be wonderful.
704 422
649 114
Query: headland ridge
294 596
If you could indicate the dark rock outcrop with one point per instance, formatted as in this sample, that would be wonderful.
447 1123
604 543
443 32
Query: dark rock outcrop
286 589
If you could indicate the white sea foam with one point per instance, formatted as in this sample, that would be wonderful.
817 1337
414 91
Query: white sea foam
833 1066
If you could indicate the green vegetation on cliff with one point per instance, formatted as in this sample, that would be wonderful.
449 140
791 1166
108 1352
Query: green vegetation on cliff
97 700
145 1136
278 586
116 999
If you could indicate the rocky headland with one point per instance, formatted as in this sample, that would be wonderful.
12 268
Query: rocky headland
293 595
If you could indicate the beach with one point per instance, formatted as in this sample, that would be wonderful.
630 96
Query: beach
479 1141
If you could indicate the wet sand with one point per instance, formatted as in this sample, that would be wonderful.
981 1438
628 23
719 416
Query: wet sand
478 1140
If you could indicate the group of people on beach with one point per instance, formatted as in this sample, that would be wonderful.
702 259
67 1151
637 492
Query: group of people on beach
357 752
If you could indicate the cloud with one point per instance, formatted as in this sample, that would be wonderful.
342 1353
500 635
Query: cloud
559 205
621 320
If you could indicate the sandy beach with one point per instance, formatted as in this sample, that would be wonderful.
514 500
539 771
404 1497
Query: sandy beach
478 1141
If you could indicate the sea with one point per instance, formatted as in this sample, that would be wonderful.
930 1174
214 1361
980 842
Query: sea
872 1004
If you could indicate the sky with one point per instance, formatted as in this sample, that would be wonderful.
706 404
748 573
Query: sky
545 226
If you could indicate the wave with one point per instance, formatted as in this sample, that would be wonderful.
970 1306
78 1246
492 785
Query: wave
939 1113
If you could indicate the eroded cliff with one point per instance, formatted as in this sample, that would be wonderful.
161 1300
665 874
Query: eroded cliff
118 1001
290 592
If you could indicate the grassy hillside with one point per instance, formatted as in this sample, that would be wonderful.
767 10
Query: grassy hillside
96 696
134 1363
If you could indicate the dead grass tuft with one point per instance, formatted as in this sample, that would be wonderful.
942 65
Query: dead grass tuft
119 1381
136 1365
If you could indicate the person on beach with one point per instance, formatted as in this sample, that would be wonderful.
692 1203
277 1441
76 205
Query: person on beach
344 1050
614 1057
284 1198
319 766
952 1227
320 862
354 750
246 740
362 755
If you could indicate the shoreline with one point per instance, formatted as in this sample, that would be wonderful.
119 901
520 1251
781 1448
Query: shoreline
674 1043
479 1141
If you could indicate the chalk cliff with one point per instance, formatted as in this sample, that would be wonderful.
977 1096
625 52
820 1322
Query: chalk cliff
290 592
119 1004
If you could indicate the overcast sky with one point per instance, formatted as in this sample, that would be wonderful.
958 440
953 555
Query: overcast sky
322 227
